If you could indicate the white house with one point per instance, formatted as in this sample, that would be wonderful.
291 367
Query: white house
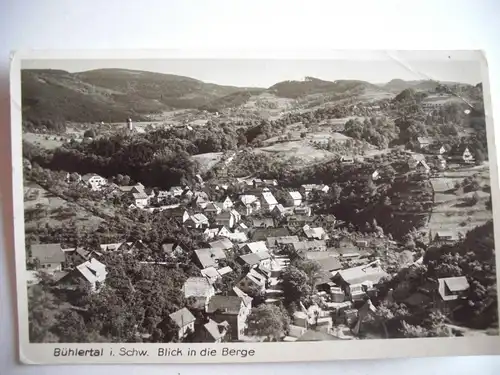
227 203
268 201
94 181
92 271
197 221
184 320
294 198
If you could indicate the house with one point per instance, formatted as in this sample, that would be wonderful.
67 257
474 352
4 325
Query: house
440 149
48 257
211 274
176 191
179 214
163 195
92 272
329 264
278 210
375 175
215 231
347 159
445 237
254 259
299 220
262 234
302 211
248 204
268 201
253 282
424 142
209 257
93 181
294 199
422 167
227 203
358 282
452 288
140 199
305 246
200 199
132 247
213 208
214 332
224 271
441 162
222 244
306 189
227 218
235 236
317 233
265 222
254 247
232 309
184 320
172 250
197 221
273 242
200 290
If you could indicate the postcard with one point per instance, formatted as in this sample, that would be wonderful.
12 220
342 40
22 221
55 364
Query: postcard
211 207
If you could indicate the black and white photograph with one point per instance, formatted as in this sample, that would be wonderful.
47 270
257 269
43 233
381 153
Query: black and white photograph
225 200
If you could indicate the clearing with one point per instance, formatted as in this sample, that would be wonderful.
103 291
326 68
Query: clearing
452 209
42 207
47 141
208 160
297 149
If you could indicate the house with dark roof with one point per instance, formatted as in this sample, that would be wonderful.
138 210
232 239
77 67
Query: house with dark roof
262 234
274 242
254 259
184 320
263 222
213 208
254 247
215 231
231 309
200 290
48 257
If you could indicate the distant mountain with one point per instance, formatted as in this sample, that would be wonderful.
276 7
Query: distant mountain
398 85
311 85
110 95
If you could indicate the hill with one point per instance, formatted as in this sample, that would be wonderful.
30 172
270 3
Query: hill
311 85
52 97
398 85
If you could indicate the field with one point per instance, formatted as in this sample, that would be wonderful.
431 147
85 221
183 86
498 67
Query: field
452 211
299 149
208 160
47 141
41 208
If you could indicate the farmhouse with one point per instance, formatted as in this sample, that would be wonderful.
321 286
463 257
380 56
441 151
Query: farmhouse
452 288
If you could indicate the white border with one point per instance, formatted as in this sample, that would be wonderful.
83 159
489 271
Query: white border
264 352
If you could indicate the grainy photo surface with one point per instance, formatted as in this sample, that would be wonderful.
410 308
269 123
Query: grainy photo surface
224 200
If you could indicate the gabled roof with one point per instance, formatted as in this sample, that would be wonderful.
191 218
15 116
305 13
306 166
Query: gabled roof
91 270
263 222
169 248
255 247
225 305
295 195
269 198
222 244
208 257
247 300
48 253
311 335
425 140
262 234
256 277
279 207
224 270
248 199
330 264
253 259
216 330
88 176
371 272
197 287
456 284
308 245
283 240
182 317
318 233
210 272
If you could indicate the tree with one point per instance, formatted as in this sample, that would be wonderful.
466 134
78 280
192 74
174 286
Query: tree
269 321
90 133
41 312
295 284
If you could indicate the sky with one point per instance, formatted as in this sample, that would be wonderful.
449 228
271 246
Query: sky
258 72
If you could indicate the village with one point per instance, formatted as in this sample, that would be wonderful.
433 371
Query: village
265 237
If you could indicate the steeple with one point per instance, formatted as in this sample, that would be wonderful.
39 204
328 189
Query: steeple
130 125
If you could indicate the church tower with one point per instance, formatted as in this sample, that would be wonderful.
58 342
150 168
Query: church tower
130 125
